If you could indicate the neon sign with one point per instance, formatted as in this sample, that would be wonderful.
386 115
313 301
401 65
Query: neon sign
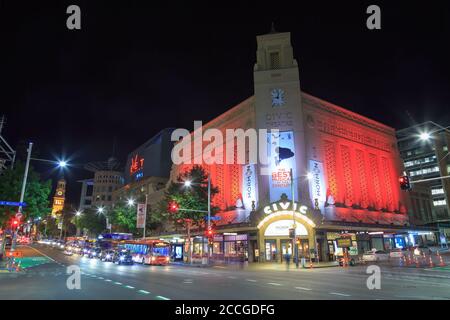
137 163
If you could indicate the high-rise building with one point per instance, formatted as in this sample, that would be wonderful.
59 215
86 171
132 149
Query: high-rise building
424 149
108 177
86 197
59 197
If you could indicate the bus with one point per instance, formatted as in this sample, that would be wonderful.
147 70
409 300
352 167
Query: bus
153 252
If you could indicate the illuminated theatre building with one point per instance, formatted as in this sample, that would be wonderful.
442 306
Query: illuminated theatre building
354 162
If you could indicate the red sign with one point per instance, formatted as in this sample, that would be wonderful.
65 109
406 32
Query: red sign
137 163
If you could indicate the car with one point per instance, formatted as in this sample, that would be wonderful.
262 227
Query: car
421 250
107 255
123 257
397 253
94 253
85 250
68 251
375 255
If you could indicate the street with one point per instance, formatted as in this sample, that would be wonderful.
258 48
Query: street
46 279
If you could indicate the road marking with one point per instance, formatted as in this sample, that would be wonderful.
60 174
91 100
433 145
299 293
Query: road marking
302 288
339 294
274 283
118 283
42 254
108 280
251 280
219 267
101 278
162 298
129 287
144 292
232 277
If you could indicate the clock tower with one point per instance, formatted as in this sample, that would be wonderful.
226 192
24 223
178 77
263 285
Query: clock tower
59 197
278 106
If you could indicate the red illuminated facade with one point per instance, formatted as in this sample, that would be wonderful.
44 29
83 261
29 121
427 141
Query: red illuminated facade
346 169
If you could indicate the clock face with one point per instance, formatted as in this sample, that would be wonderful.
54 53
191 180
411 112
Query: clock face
59 193
278 96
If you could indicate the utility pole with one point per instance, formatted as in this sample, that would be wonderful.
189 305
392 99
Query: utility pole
294 242
145 215
209 215
22 193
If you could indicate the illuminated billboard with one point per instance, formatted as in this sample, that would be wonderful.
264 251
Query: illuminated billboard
281 154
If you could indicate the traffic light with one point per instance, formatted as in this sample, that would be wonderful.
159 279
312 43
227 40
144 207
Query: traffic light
15 223
210 235
404 183
173 207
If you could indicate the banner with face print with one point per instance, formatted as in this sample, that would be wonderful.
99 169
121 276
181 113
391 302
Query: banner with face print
281 153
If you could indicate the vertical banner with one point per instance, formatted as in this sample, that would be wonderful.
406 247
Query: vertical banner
249 186
317 184
281 153
141 212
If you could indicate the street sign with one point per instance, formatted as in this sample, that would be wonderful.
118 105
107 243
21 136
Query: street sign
213 218
344 242
13 204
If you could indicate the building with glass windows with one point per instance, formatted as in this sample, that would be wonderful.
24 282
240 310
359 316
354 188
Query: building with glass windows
424 149
345 170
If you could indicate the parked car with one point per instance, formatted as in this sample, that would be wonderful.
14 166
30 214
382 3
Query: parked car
123 257
397 253
375 255
107 255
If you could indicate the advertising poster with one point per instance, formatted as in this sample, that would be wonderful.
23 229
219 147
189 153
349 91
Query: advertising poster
317 184
249 186
141 212
281 153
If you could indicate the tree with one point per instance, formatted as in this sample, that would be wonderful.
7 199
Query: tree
37 193
193 198
92 221
123 217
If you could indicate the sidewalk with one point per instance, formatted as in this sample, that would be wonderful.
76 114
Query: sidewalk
259 266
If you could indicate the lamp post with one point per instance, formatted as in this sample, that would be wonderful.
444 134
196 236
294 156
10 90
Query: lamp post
294 242
102 210
60 163
188 183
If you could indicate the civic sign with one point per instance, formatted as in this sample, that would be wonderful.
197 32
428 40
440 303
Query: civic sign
13 204
279 206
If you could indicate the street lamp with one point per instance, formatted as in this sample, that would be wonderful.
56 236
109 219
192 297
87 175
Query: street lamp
130 202
188 183
60 163
425 136
78 213
102 210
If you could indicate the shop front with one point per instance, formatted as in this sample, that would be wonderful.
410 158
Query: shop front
276 241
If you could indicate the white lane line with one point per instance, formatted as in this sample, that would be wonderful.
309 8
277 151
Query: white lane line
118 283
251 280
108 280
231 277
101 278
339 294
162 298
42 254
144 292
274 284
303 288
129 287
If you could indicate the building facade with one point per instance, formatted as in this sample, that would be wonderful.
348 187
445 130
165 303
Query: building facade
59 197
345 173
86 194
424 149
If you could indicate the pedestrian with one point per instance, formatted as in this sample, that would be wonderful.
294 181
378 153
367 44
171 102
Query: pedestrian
288 260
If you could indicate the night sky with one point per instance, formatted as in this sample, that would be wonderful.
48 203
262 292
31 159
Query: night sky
137 67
